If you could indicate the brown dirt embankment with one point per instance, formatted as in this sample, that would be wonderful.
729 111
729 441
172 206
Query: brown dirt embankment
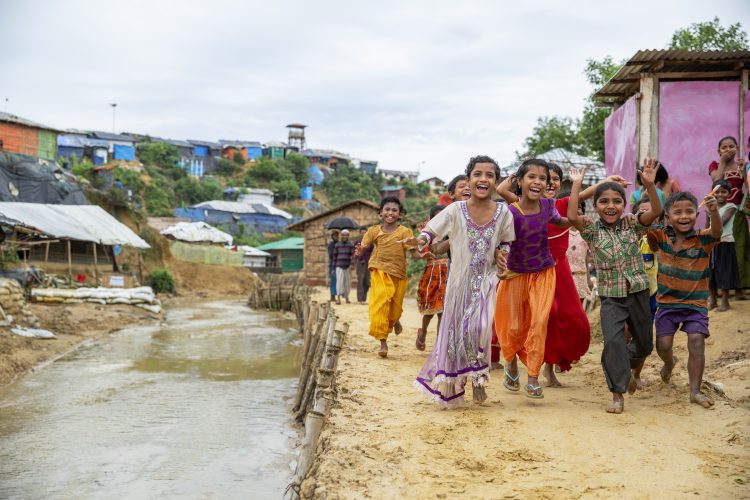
385 440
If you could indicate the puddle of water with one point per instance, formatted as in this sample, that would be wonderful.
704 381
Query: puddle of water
196 407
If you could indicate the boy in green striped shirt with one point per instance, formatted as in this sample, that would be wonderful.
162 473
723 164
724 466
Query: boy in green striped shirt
684 256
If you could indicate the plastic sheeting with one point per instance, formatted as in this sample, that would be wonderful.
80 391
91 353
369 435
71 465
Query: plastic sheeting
197 232
75 222
29 179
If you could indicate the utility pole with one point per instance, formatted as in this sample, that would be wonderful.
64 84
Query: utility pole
114 106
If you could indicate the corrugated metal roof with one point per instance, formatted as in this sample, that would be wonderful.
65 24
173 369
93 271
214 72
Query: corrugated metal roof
595 170
10 118
196 142
240 144
626 81
243 208
70 140
108 136
293 243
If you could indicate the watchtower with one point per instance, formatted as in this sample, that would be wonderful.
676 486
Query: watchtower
296 135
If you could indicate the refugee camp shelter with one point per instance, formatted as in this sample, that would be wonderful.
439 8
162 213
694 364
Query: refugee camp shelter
256 195
275 150
675 105
22 136
289 253
81 234
257 260
250 150
197 232
434 183
207 152
80 145
316 236
121 146
595 171
35 180
237 217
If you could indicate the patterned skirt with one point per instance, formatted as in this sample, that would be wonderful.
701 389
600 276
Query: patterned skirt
431 292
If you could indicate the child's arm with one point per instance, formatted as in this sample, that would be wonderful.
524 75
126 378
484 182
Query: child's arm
648 175
505 189
727 215
366 241
589 191
576 175
717 225
724 161
441 247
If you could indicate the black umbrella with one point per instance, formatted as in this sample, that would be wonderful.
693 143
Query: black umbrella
342 223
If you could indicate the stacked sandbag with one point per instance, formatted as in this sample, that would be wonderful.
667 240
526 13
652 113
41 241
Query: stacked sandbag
142 297
14 306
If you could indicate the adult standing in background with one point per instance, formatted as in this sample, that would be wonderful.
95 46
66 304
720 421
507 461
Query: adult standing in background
343 253
363 269
332 264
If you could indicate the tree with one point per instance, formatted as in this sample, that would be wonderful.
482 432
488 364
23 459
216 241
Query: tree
591 125
710 35
287 189
226 168
298 166
158 154
551 132
238 159
267 170
190 190
349 184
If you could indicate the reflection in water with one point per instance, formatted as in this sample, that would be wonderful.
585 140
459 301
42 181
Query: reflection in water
195 407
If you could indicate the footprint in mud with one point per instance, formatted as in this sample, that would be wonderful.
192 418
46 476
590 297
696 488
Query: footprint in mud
522 455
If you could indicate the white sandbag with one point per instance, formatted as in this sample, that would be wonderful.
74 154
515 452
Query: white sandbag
36 333
150 308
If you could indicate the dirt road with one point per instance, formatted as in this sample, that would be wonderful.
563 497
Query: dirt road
385 440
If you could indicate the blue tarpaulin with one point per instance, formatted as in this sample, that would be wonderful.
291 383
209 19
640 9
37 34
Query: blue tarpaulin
124 152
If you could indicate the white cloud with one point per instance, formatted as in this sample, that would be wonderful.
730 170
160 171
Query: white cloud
410 84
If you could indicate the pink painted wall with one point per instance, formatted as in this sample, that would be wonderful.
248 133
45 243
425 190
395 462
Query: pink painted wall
693 116
620 142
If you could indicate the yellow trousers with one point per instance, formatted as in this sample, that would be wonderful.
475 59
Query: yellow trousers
386 302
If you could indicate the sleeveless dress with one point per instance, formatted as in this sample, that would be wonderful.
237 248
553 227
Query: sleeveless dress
568 330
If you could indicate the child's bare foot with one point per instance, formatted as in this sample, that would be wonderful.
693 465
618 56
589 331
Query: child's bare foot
666 370
478 394
701 399
549 374
640 383
711 303
632 383
383 353
617 405
421 334
397 328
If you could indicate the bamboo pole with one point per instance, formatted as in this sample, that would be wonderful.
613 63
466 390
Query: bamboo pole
96 267
312 373
70 265
306 374
46 253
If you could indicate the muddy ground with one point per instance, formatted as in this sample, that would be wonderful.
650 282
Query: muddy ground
385 440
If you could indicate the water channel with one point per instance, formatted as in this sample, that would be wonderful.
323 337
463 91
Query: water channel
196 407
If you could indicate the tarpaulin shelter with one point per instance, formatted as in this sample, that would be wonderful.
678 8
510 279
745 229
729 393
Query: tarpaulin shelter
197 232
29 179
55 223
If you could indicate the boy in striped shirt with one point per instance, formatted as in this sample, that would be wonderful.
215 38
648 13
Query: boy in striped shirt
684 256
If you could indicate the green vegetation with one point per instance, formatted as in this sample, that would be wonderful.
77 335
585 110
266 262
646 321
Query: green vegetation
161 281
585 135
348 184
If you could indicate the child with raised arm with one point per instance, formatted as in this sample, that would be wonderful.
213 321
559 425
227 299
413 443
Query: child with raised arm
477 228
622 280
526 294
725 274
684 256
387 271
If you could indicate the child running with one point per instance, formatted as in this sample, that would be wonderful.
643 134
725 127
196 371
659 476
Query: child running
431 291
476 228
526 294
684 255
622 280
568 330
387 271
725 274
578 256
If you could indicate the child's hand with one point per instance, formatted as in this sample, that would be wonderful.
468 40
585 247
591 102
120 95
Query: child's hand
358 249
501 259
648 174
620 180
576 175
586 221
413 242
711 204
629 220
727 156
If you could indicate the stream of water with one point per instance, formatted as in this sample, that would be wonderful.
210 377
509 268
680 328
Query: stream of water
197 407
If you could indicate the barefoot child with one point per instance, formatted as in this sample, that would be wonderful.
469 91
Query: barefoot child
684 255
431 291
622 280
476 228
725 274
387 271
525 296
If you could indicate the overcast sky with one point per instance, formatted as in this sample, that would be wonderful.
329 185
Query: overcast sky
412 84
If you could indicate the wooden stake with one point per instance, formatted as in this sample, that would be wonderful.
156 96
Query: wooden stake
96 267
70 265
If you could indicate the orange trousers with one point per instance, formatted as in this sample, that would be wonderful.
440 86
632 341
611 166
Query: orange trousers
522 309
386 302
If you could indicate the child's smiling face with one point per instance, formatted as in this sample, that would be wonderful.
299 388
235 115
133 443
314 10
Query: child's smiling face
610 206
554 186
534 182
721 195
682 215
390 213
462 191
482 180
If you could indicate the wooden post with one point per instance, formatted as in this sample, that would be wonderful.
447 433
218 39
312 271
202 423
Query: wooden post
140 267
70 265
46 253
96 267
648 118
